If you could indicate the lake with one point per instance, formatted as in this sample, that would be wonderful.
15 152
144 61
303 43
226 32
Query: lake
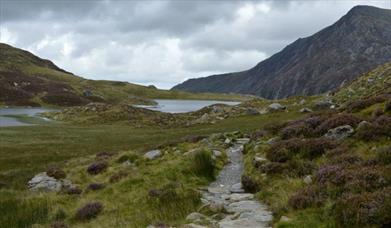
181 106
7 119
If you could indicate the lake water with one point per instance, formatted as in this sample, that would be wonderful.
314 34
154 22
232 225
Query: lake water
182 106
6 121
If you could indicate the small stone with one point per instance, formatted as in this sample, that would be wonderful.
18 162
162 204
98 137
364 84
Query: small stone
192 225
243 141
285 219
217 153
305 110
227 141
240 197
236 188
272 140
302 101
362 125
153 154
307 179
195 216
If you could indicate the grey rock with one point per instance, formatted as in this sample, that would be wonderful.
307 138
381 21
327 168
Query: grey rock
235 197
243 206
305 110
252 111
302 101
236 188
43 182
192 225
323 104
308 179
217 153
276 106
195 216
340 132
153 154
243 140
285 219
273 140
362 125
227 141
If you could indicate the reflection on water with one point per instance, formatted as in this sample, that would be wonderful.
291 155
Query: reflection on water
181 106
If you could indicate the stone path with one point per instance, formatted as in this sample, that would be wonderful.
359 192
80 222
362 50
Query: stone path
226 195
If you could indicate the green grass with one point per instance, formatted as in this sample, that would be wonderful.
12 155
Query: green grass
18 212
27 150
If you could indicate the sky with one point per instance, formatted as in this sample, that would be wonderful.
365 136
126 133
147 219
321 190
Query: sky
162 43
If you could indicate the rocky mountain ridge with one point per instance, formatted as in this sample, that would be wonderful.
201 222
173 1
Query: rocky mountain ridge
355 44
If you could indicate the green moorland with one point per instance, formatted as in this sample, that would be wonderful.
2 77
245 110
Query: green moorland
312 180
28 150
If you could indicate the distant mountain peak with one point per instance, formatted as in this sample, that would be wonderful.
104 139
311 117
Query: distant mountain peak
355 44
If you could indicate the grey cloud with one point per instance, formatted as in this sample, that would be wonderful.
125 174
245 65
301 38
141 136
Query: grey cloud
160 42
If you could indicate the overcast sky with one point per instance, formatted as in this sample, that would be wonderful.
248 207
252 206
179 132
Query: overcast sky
162 42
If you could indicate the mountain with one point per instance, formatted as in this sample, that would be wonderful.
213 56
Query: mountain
27 80
357 43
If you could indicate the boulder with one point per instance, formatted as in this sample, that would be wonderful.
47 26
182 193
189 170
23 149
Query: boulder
243 206
323 104
43 182
340 132
276 107
153 154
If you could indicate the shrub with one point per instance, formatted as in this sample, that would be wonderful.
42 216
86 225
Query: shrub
73 191
118 176
381 126
104 155
299 167
97 167
387 106
358 105
60 215
336 121
95 186
310 148
273 168
331 174
377 112
296 130
384 155
203 164
128 157
274 128
249 185
56 173
165 195
365 209
89 211
306 197
59 224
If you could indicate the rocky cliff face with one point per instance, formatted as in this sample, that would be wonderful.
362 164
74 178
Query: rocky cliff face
355 44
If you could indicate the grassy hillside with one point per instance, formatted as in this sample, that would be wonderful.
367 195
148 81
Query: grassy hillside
28 80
